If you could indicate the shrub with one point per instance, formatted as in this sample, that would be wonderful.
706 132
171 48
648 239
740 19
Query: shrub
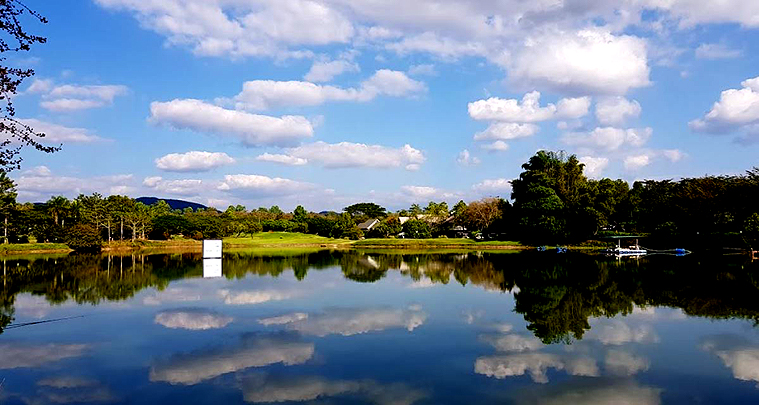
417 229
84 238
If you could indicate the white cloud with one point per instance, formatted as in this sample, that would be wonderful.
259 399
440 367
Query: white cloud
267 94
528 110
283 159
620 392
693 12
283 319
673 155
349 154
506 131
737 353
253 185
493 186
41 182
69 97
591 60
251 351
445 47
497 146
616 332
326 70
614 111
66 381
192 319
636 162
264 389
622 363
348 322
250 129
40 86
594 166
255 296
194 161
513 342
737 109
535 364
214 28
466 159
417 193
55 133
183 187
25 355
609 138
717 51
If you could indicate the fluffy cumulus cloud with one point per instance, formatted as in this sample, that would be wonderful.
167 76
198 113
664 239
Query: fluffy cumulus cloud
71 97
255 296
215 28
349 154
71 389
194 161
253 185
614 111
250 129
616 332
536 364
281 159
325 70
267 94
24 355
426 193
736 110
618 362
591 60
263 389
56 134
738 354
528 110
504 131
493 186
181 187
41 182
609 138
250 351
192 319
636 162
349 321
600 392
513 342
594 166
466 159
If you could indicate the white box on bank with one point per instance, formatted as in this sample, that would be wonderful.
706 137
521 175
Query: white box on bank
212 249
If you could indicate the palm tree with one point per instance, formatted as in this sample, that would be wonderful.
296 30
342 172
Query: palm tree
57 208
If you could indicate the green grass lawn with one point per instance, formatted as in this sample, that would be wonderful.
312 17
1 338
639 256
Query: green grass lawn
283 238
26 247
432 242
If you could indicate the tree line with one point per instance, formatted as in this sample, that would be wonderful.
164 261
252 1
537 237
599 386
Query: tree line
552 201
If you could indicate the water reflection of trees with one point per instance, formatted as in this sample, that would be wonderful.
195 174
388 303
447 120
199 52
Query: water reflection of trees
556 294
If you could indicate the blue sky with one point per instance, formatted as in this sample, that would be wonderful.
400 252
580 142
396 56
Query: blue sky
329 102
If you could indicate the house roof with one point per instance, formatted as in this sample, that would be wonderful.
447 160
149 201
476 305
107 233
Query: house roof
368 224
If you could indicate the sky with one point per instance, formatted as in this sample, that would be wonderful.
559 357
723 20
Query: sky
325 103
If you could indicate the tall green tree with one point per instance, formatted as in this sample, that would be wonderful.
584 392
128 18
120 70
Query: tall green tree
7 200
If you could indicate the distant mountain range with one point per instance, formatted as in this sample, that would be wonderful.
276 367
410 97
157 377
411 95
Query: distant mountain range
174 204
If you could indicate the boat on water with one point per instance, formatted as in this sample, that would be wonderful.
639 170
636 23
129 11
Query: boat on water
631 250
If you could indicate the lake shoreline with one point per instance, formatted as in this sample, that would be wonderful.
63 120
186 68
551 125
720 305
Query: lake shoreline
169 246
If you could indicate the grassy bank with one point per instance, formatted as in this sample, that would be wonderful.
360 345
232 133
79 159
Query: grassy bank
441 243
270 240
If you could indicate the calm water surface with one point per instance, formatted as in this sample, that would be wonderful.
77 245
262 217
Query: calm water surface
379 328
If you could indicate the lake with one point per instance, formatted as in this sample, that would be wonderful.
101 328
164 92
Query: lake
379 327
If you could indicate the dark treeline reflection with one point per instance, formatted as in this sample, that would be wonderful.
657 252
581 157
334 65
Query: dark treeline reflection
556 294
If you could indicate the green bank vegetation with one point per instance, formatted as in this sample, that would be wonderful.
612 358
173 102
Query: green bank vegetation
552 203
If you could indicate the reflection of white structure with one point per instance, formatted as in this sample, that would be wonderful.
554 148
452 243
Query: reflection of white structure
212 249
211 268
